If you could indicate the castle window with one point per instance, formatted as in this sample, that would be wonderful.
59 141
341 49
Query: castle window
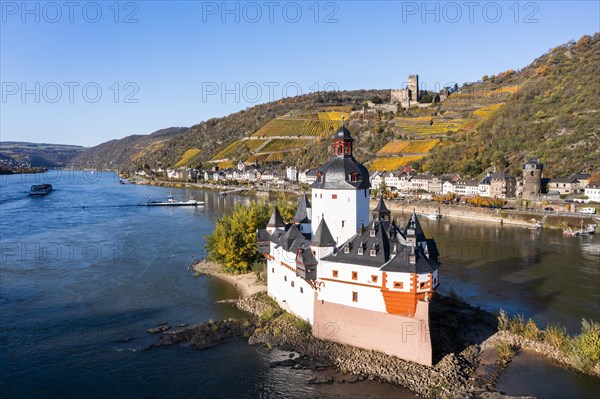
272 270
301 290
374 278
320 195
354 177
360 250
373 252
354 296
346 249
354 275
339 149
398 284
343 223
335 273
333 196
315 195
284 278
422 285
372 233
292 284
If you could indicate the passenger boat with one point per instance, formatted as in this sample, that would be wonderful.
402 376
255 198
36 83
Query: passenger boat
40 189
434 215
589 230
170 201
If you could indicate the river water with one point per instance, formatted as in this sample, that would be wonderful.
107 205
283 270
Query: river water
84 266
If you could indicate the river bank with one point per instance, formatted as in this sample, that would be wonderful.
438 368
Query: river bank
497 216
513 217
246 284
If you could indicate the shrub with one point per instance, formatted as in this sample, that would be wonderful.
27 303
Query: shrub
266 316
586 345
517 325
503 320
556 335
505 351
531 331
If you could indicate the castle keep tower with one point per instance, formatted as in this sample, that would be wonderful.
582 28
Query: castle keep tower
340 194
413 87
532 179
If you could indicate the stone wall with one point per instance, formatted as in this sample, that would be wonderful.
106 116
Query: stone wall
405 337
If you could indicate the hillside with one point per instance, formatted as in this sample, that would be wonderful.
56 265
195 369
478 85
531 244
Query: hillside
38 155
553 116
123 152
215 135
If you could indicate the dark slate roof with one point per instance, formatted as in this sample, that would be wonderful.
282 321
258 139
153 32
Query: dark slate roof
502 176
486 180
414 220
401 262
292 239
302 211
323 237
381 209
342 133
306 257
380 242
580 176
336 174
263 235
276 220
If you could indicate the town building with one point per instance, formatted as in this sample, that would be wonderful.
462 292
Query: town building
566 186
592 192
338 264
503 185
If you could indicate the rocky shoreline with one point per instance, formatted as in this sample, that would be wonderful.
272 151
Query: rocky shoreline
465 344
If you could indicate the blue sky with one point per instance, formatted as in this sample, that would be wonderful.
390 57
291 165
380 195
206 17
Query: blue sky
93 71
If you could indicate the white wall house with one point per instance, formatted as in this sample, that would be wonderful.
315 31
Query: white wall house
592 191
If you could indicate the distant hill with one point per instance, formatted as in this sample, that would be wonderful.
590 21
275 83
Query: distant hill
39 155
126 151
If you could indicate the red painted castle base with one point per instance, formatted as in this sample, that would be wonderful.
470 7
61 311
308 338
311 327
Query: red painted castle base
405 337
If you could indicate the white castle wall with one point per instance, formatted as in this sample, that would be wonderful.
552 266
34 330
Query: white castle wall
291 292
339 289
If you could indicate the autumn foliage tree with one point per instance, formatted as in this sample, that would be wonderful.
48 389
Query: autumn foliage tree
232 243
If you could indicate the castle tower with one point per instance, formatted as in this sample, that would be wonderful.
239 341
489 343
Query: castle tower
275 222
303 215
340 193
532 179
413 88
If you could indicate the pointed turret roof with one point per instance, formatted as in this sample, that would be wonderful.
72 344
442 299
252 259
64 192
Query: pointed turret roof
276 220
381 212
302 215
416 225
323 237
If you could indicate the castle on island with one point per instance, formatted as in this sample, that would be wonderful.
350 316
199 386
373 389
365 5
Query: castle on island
355 275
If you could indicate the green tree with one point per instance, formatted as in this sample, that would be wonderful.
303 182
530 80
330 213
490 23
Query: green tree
287 208
232 243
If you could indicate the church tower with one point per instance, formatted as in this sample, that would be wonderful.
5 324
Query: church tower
340 193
